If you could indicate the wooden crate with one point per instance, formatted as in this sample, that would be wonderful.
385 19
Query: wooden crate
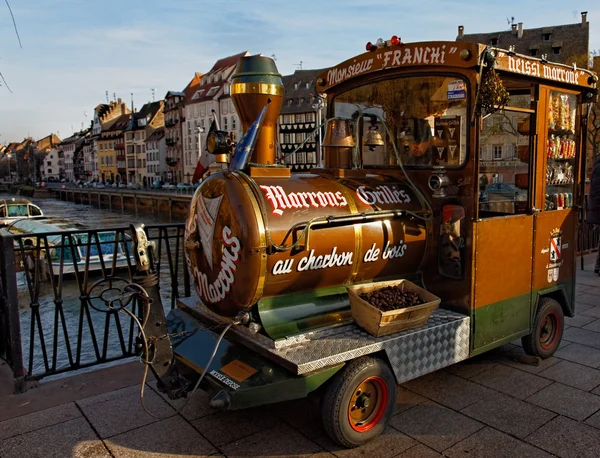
378 323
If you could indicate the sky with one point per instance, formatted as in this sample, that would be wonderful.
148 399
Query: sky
73 51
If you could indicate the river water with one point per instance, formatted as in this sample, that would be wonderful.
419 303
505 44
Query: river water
74 313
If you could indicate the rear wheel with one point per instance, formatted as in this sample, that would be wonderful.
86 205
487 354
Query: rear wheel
547 329
359 401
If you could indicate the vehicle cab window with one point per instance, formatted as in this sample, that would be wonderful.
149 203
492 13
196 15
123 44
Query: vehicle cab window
505 158
422 120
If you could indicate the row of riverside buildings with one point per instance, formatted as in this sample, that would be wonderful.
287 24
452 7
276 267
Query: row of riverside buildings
162 139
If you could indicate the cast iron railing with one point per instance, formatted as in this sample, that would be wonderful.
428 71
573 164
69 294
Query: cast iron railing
48 282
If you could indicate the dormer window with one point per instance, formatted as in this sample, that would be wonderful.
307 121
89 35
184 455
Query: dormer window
556 50
212 91
307 85
546 36
534 52
295 85
198 94
494 41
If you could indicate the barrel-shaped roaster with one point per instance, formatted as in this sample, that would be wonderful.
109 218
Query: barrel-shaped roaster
250 238
261 234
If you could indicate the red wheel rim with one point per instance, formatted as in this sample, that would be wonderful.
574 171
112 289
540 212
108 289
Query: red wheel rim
367 404
549 331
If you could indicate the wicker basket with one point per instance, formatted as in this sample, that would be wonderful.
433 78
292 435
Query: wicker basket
379 323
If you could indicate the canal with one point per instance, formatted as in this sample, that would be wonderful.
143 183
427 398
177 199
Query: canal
105 328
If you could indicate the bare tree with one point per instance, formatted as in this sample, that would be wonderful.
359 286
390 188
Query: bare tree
18 38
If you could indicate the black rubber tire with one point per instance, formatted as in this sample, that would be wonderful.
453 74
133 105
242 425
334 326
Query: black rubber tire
339 393
532 343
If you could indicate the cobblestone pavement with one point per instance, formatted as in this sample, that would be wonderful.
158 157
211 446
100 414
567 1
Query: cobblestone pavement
490 406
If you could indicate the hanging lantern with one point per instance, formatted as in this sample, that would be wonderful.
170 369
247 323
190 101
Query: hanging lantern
338 143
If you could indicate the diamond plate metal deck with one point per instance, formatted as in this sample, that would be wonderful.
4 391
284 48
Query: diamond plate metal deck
442 341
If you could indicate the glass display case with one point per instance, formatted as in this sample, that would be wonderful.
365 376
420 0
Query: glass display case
560 150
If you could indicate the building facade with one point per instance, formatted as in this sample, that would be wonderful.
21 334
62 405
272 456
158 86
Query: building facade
149 117
301 113
111 150
560 43
156 153
208 101
69 147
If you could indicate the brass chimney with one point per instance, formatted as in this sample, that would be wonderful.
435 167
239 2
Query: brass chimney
256 80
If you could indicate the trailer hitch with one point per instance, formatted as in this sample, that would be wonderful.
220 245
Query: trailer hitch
160 356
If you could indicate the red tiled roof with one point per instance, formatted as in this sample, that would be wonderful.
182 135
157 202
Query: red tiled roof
220 65
191 88
227 62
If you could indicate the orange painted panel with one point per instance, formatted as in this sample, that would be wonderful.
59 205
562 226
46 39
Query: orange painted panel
555 248
503 258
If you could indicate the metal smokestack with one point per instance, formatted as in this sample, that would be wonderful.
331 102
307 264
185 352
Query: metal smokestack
256 80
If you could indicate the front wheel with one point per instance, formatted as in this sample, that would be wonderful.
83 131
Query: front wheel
547 329
359 402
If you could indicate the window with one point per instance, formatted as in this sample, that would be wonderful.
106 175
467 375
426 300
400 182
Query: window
287 138
212 91
497 152
494 41
48 163
299 137
556 50
295 85
534 52
307 85
546 36
310 117
504 170
225 124
299 117
233 124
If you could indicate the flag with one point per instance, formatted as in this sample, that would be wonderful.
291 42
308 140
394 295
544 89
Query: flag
244 148
204 157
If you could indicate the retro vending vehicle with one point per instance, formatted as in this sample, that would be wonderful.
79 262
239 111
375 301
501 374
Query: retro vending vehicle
454 165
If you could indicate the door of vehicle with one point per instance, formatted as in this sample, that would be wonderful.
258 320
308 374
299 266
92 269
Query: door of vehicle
556 224
503 231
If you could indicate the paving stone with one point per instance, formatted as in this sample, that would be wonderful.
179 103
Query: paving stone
111 395
38 420
126 413
512 360
567 438
582 336
169 438
390 443
471 367
420 451
302 416
581 289
567 401
406 399
449 390
435 425
594 420
509 415
590 299
225 427
582 354
281 441
580 307
579 320
489 443
572 374
509 380
197 406
593 326
73 438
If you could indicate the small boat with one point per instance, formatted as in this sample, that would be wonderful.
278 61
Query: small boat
70 251
16 209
